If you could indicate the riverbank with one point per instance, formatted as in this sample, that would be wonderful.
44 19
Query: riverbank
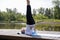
44 26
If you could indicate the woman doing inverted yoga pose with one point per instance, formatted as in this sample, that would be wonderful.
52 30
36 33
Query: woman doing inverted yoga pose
30 24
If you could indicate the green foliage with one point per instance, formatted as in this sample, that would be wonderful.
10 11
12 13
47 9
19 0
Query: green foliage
57 12
34 12
11 15
48 27
57 9
48 13
39 17
2 16
41 10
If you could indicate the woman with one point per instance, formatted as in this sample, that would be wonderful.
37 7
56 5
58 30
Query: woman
30 21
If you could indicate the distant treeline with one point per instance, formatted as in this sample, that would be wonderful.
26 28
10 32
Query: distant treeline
38 14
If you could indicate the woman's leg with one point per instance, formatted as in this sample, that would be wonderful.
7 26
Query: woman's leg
30 21
29 17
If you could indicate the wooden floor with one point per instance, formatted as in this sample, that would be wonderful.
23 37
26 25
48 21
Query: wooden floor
11 34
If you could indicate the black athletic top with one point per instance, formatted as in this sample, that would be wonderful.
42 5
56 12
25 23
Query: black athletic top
30 20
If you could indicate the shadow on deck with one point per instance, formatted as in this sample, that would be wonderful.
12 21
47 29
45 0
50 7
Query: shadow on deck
4 37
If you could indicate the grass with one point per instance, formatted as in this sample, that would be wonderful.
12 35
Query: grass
46 27
55 25
48 20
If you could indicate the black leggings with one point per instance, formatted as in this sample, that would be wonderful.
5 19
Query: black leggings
30 20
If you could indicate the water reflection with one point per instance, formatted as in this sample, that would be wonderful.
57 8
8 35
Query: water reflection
11 26
20 25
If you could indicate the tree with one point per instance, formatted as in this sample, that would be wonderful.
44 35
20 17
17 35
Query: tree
48 13
1 16
41 10
57 9
34 12
18 16
14 10
8 10
11 14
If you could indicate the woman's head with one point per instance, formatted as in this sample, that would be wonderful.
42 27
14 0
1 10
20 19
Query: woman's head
23 30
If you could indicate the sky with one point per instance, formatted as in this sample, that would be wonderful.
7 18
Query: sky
21 4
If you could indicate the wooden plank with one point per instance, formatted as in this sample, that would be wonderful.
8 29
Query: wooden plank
11 34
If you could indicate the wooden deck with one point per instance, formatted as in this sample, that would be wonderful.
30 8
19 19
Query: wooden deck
11 34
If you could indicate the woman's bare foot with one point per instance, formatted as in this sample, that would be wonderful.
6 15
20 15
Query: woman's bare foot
28 2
